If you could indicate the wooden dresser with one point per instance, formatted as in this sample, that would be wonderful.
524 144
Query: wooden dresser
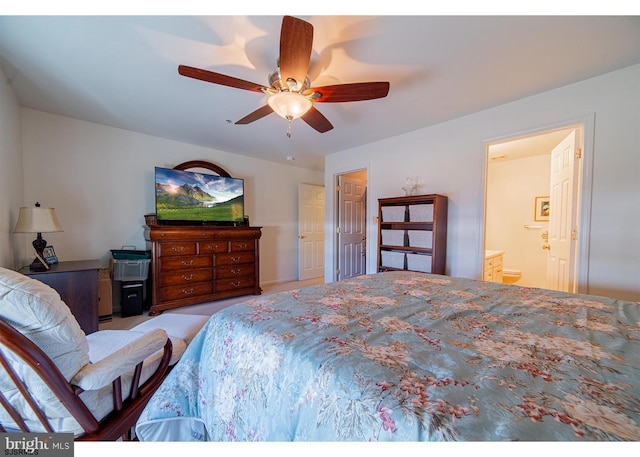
197 264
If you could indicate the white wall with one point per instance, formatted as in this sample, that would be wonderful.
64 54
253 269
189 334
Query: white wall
12 247
101 181
449 158
511 190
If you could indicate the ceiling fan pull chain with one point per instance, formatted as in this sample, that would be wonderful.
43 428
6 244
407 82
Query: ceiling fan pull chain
288 127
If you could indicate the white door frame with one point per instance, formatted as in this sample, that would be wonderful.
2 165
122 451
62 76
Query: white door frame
587 123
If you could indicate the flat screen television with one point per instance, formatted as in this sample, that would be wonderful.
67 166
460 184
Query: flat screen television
188 198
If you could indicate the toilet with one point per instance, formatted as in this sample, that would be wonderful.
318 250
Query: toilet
510 276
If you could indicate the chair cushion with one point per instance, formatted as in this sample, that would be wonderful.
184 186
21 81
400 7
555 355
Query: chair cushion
183 326
106 342
38 312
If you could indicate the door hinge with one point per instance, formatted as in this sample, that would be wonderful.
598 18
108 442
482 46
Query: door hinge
338 272
574 234
337 229
578 153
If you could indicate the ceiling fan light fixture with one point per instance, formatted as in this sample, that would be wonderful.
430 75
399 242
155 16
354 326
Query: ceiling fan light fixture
289 105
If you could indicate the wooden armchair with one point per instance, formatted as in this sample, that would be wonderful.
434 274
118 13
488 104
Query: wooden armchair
49 380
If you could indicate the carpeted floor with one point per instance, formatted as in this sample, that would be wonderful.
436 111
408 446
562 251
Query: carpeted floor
125 323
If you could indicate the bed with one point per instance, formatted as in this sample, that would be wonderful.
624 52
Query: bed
403 356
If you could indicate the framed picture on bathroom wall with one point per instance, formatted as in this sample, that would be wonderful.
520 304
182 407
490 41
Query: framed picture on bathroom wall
541 209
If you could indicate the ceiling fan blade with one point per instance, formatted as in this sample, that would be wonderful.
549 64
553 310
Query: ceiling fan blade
257 114
218 78
353 92
316 119
296 41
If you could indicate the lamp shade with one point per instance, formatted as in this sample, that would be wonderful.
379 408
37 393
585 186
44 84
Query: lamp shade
37 220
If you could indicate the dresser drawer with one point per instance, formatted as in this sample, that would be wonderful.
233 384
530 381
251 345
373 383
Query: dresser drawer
177 248
185 277
172 263
186 291
235 271
232 284
235 258
213 247
242 245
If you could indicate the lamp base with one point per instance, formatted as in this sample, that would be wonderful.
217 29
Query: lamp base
37 265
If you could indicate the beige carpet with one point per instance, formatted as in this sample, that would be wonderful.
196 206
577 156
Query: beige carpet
125 323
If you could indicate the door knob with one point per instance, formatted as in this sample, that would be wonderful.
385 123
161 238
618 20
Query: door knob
302 237
546 246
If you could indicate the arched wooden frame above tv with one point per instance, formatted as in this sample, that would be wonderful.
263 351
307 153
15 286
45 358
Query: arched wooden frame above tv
203 164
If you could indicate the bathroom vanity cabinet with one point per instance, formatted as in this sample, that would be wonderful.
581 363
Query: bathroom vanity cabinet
493 266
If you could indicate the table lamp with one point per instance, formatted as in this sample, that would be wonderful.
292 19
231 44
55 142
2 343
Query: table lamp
37 220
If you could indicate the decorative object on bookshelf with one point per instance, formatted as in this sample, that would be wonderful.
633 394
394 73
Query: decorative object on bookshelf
410 186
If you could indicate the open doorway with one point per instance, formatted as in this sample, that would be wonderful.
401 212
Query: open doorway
534 232
351 226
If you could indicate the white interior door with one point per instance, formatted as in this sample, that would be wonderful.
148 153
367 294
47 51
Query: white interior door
310 231
563 216
352 226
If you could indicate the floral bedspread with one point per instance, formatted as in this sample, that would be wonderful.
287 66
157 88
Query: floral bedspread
409 357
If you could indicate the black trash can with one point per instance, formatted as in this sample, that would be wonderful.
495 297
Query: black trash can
132 298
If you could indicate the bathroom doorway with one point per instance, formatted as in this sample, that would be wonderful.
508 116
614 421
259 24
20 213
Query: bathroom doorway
520 222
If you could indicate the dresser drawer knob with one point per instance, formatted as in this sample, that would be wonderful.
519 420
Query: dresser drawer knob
177 249
235 271
213 248
187 278
187 262
188 291
236 259
243 246
235 283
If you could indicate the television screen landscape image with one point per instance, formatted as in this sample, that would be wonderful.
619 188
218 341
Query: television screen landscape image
192 197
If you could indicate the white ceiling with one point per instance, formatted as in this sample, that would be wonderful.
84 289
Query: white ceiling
121 71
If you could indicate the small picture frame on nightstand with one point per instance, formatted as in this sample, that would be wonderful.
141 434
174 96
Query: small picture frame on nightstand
49 255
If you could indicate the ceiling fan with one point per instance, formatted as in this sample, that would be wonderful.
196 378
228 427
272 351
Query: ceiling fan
290 93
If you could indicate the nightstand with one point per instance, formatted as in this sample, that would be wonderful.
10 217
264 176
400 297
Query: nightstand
77 284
